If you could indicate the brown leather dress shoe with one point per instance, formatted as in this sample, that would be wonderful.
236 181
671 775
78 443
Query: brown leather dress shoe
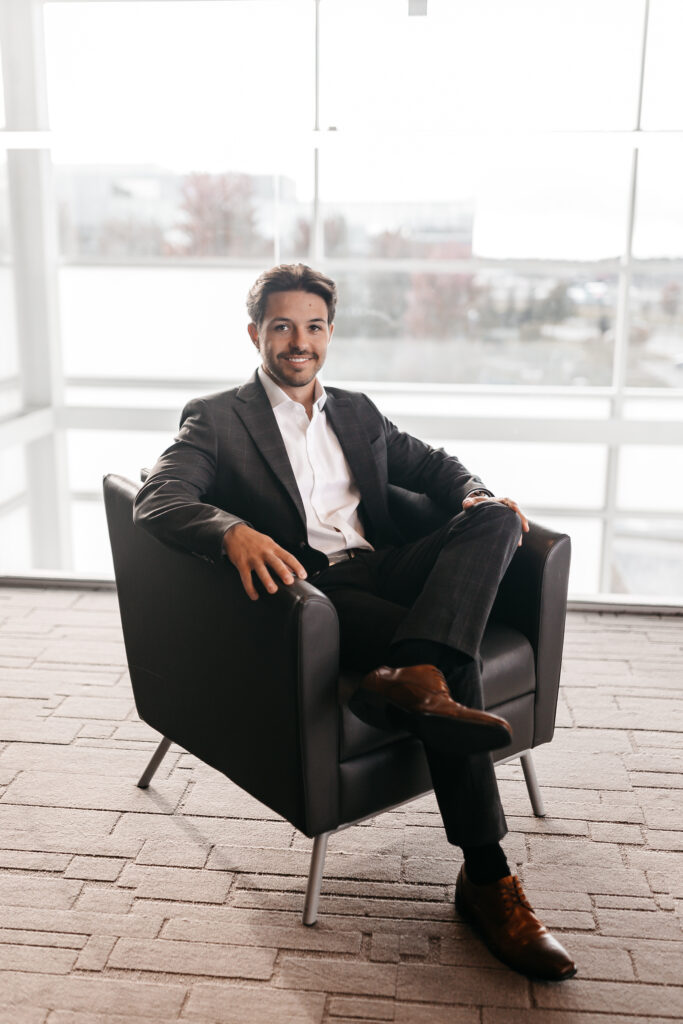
417 698
502 916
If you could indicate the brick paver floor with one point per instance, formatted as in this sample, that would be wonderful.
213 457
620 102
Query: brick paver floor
183 903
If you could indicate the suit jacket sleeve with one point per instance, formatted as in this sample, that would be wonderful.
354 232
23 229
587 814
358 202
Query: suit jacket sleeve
418 467
174 504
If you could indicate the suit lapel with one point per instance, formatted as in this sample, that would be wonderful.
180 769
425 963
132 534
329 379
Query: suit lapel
258 417
356 447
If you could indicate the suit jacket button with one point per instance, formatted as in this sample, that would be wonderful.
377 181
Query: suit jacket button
303 544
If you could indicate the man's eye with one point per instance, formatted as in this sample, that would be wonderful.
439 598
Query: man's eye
281 327
315 328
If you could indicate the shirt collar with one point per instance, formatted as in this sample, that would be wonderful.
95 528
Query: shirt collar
276 396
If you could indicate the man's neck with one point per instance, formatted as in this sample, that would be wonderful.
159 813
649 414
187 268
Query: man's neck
305 395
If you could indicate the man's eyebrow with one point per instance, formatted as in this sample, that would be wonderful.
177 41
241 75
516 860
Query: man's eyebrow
313 319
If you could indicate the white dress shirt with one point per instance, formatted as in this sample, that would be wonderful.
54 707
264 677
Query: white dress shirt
328 491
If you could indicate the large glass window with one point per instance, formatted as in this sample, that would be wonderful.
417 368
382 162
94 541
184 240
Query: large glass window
10 397
467 177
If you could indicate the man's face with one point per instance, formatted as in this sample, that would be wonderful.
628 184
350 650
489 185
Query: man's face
293 337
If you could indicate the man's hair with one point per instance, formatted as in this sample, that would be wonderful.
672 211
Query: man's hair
290 277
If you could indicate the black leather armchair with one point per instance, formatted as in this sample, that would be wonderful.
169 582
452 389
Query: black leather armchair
205 662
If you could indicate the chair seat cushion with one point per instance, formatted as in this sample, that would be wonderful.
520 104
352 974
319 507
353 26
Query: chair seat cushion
508 672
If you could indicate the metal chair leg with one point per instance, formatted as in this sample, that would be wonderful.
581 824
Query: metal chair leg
315 878
155 760
532 786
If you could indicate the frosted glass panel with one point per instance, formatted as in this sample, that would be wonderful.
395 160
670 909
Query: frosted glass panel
151 322
94 453
651 477
586 538
664 70
540 475
570 64
648 560
191 77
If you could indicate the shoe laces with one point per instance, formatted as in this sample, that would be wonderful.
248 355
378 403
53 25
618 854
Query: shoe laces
513 894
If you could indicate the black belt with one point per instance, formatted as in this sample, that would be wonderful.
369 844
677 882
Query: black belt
335 559
341 556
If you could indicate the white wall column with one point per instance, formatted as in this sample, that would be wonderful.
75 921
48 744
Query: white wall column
35 259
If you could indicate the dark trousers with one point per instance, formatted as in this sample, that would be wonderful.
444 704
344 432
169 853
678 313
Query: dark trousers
440 588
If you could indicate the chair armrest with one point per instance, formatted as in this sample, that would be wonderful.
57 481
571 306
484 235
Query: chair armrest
248 687
532 597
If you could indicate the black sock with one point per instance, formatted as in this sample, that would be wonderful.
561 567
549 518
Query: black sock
485 864
426 652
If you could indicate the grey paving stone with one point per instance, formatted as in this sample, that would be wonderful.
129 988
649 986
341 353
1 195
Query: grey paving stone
611 997
74 1017
384 948
101 899
461 985
236 932
102 868
577 879
275 834
614 832
562 850
30 860
48 757
367 907
82 653
39 959
411 1013
217 796
94 706
174 853
659 964
363 1008
71 789
23 1014
136 999
64 940
322 975
36 730
26 890
640 923
176 883
545 1016
208 1002
12 707
202 958
664 839
76 922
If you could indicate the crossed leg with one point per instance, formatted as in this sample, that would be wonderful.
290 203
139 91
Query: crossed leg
441 589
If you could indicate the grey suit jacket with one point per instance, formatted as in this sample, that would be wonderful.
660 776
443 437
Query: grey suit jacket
229 464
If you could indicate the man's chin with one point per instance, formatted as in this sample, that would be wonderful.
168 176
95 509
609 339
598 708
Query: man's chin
295 380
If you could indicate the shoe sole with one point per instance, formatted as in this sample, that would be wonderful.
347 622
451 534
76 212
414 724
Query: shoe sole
474 925
439 732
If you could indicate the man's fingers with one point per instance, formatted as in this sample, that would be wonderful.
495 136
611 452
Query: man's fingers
282 569
245 576
292 565
267 580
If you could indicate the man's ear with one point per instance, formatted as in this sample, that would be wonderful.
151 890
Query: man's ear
331 333
253 334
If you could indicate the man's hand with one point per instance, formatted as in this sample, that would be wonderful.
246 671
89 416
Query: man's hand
475 499
251 551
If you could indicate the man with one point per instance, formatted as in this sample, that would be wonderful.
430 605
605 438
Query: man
288 480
